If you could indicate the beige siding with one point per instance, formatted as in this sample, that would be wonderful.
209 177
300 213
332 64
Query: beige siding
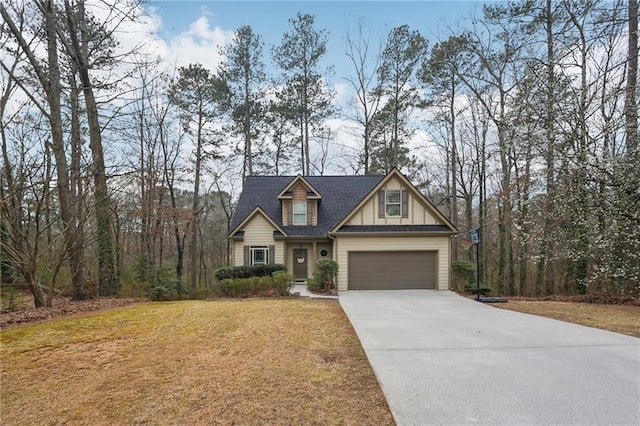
439 244
419 213
257 232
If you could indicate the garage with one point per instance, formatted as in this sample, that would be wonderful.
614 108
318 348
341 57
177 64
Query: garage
392 270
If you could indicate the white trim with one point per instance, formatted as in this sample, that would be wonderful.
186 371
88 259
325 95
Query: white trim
293 208
387 203
254 250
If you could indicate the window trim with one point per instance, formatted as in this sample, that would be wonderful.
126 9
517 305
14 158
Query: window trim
387 203
293 213
252 254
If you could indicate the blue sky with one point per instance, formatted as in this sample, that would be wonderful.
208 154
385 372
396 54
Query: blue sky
183 32
270 19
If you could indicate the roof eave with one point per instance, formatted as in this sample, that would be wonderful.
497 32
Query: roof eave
301 237
394 234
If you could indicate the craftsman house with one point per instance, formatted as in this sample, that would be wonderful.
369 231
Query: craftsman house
381 230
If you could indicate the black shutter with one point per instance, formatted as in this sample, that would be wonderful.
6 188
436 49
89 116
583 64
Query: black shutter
381 203
247 256
290 218
272 254
405 203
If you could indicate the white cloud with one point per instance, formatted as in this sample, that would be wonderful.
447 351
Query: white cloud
342 92
200 43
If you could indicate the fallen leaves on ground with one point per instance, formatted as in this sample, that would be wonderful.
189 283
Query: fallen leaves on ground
263 361
61 306
619 318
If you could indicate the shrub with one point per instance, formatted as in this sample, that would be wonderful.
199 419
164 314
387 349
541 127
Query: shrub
315 283
463 273
247 271
280 284
326 271
158 284
163 288
11 299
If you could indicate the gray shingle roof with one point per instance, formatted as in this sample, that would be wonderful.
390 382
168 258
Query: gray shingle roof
340 194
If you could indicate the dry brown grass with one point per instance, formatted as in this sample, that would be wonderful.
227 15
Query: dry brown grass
619 318
293 361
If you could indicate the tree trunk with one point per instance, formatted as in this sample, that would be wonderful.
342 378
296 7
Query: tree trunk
76 250
545 278
195 208
49 78
454 166
107 275
247 130
631 106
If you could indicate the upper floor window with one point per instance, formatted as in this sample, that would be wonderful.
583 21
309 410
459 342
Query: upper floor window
392 203
299 213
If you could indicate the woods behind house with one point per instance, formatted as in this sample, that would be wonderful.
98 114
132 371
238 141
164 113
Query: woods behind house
119 175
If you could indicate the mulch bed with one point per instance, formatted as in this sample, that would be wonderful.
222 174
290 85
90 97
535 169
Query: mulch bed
62 306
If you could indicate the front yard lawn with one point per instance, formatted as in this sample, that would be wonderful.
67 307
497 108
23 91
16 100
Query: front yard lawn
619 318
262 361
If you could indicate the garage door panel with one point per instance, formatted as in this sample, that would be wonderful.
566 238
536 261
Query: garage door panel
392 270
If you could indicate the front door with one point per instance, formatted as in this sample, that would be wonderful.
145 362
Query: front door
300 264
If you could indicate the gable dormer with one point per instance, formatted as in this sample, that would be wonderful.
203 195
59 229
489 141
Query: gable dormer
300 202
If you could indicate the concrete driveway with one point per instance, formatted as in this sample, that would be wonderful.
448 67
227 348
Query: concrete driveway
445 359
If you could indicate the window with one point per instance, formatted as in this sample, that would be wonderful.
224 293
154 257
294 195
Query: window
392 203
299 213
259 255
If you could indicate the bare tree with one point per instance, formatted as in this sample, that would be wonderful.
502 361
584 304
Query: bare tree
200 97
244 72
304 98
366 101
47 72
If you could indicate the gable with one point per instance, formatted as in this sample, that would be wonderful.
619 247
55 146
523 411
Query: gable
256 223
298 184
416 210
258 230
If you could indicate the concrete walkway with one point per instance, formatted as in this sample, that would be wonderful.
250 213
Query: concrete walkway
443 359
302 291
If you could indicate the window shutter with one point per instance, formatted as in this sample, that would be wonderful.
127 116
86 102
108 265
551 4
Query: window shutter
381 203
272 255
290 218
405 203
309 212
247 256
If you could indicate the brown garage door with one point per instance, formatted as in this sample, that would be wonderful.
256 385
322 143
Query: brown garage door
388 270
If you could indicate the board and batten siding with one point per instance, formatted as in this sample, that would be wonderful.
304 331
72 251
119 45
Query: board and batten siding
419 213
408 243
258 232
